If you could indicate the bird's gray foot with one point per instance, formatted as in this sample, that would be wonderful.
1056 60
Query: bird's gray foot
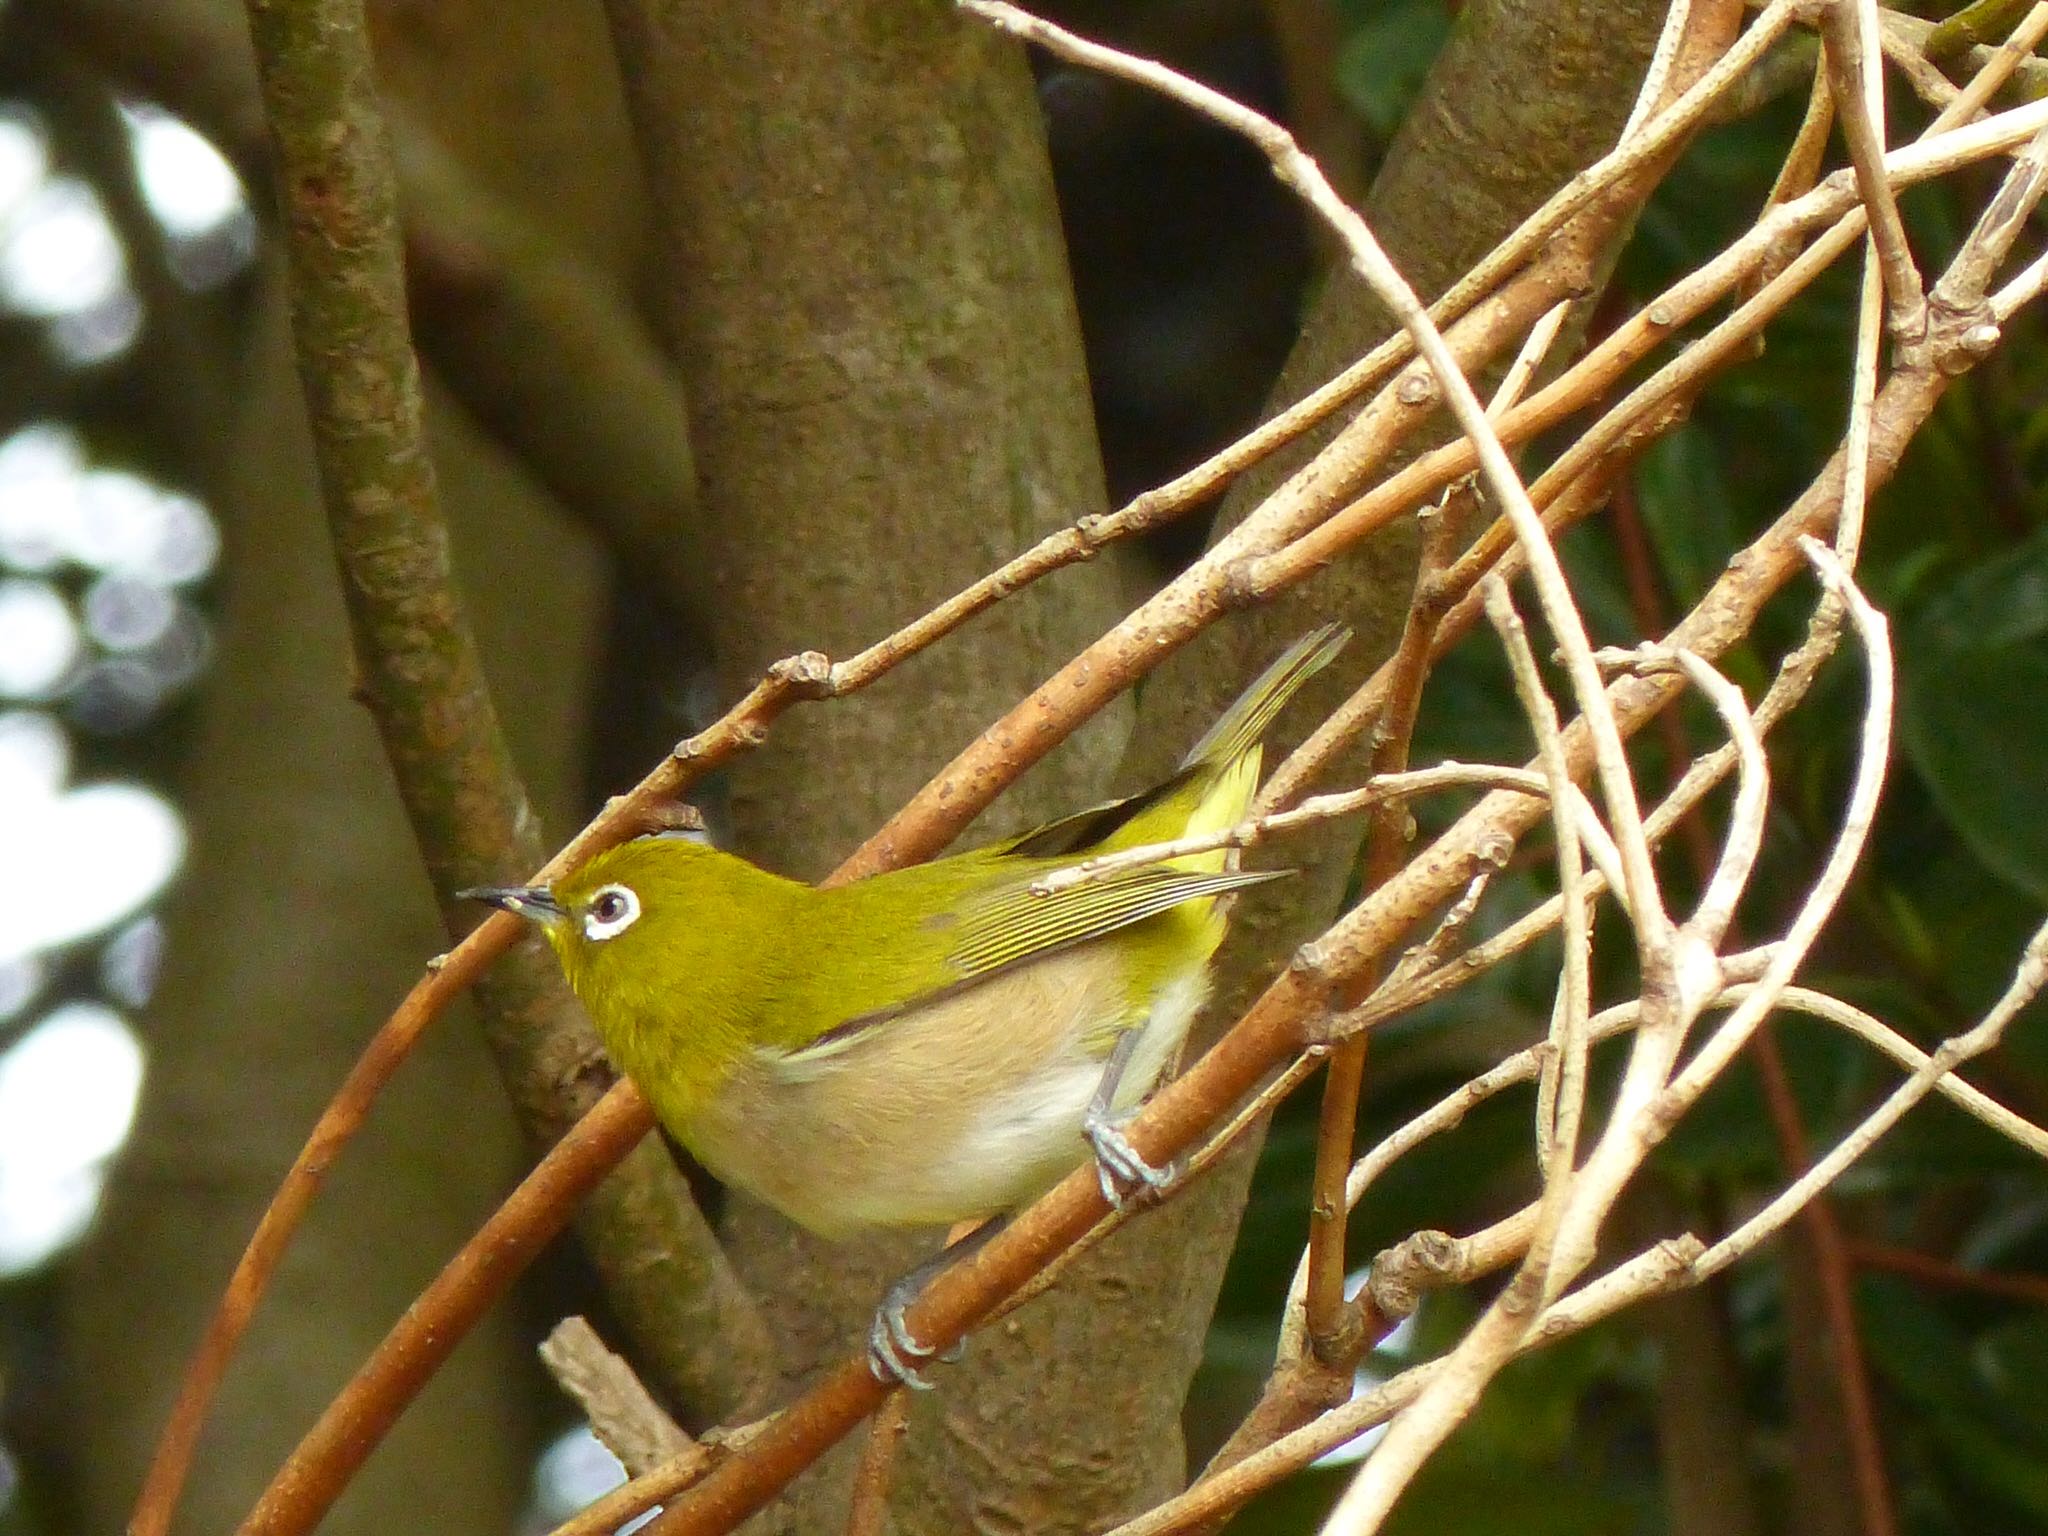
1120 1169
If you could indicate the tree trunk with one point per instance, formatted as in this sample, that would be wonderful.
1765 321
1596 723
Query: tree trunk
869 303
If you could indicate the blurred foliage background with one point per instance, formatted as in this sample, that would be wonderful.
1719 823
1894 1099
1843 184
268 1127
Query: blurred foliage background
128 250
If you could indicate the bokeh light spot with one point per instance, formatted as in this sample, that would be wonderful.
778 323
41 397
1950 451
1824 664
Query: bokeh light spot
189 185
42 469
99 331
39 641
132 960
574 1470
68 1090
124 614
20 980
88 858
24 159
195 196
59 254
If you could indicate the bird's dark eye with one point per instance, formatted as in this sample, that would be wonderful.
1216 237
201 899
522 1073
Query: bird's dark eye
612 910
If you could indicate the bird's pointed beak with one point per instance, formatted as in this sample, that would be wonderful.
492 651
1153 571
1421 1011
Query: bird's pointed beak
534 902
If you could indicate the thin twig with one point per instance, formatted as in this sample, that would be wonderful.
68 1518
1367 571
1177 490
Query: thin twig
867 1502
1570 489
1523 1066
1874 1032
2014 56
1714 1055
1434 1261
1421 959
2032 1289
1312 811
1975 23
1921 72
2031 975
1451 1110
607 1513
1729 878
1561 1088
1663 1267
1961 289
1337 1333
350 1428
1849 45
1800 169
1759 250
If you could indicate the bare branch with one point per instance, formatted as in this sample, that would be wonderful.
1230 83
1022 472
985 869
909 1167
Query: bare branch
1658 1269
1953 1052
1562 1089
1849 44
1720 1048
622 1413
1970 1100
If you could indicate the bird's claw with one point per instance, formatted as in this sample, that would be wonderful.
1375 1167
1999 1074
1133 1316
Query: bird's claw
1119 1167
895 1356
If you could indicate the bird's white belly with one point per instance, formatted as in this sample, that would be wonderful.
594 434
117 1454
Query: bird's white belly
918 1123
1018 1145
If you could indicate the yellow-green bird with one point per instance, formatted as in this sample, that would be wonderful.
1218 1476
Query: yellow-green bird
932 1045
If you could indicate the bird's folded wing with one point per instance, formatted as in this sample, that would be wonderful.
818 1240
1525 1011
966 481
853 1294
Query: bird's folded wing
1014 923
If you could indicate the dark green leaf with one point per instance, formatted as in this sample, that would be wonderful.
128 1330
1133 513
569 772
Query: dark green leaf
1385 57
1975 710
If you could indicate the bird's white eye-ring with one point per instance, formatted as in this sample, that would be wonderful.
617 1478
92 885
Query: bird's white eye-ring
611 911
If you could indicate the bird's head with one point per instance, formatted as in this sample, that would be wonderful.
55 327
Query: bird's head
639 910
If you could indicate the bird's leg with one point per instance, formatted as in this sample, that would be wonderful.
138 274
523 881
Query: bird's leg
894 1354
1122 1172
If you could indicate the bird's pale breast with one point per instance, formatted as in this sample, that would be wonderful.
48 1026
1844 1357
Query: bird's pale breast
959 1109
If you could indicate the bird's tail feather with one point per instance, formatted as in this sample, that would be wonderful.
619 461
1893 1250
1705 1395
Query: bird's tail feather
1246 719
